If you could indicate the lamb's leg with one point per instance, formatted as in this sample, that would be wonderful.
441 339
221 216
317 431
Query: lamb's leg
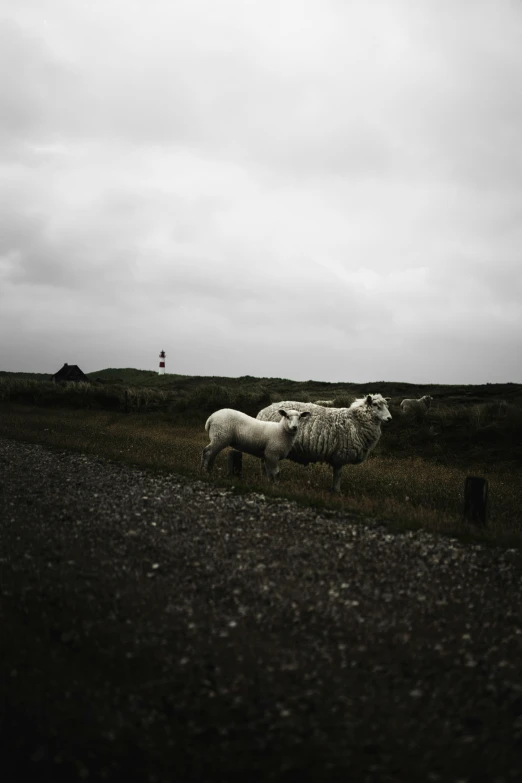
336 483
271 467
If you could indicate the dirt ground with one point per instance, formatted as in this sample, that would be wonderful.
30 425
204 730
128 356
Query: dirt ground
157 629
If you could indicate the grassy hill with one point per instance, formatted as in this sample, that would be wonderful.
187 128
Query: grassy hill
284 388
25 376
128 376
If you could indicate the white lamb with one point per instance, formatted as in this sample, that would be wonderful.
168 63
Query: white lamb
266 439
337 436
419 406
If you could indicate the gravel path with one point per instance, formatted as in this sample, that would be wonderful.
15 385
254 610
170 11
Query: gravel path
157 629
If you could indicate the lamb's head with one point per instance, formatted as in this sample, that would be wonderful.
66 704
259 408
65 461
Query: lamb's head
427 400
378 405
292 418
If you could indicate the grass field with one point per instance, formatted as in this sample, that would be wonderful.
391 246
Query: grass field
404 484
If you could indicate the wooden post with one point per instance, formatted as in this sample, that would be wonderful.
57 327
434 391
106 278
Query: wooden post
235 463
475 500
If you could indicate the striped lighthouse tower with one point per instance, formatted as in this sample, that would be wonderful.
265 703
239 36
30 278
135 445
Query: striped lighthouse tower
162 363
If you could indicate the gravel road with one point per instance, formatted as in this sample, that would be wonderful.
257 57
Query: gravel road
160 629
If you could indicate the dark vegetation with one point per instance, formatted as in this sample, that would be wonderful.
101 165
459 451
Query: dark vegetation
466 422
415 477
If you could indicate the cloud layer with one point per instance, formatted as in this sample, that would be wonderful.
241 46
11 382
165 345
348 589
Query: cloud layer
308 189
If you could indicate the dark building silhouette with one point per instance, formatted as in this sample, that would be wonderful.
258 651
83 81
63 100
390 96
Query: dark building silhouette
69 372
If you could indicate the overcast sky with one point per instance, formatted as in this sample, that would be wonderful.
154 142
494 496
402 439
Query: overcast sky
308 189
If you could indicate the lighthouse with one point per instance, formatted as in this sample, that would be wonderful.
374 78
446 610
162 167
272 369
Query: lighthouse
161 370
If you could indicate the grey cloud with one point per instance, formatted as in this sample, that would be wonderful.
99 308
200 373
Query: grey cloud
27 254
37 91
458 119
460 356
192 178
259 299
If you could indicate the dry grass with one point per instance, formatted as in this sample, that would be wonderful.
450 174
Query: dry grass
196 402
410 492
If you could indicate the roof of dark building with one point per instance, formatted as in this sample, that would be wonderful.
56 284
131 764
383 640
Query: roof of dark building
69 372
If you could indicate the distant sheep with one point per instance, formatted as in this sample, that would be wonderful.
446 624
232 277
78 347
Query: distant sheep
419 406
266 439
324 403
337 436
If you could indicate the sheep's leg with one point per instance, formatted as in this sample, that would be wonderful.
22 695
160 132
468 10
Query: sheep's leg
235 463
209 454
336 483
263 467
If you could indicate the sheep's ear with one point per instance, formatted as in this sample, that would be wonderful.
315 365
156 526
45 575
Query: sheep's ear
388 399
305 414
282 412
369 399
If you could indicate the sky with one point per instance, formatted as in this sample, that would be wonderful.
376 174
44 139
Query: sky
306 189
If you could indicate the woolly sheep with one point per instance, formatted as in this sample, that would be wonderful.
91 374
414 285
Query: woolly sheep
266 439
419 406
337 436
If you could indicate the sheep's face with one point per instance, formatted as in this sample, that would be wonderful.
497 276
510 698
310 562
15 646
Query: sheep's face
292 418
379 407
427 400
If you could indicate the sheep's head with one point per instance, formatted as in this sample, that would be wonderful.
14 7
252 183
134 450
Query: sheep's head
427 400
292 418
379 407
